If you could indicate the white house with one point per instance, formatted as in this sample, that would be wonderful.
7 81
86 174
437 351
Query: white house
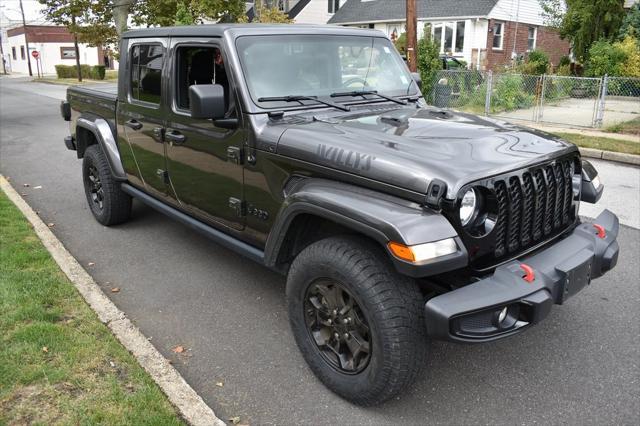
484 33
306 11
54 45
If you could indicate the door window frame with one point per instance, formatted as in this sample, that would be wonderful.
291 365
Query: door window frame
129 71
215 43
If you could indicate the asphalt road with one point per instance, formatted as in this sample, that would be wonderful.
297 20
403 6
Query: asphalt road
580 366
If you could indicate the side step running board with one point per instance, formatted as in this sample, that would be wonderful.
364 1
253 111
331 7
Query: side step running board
219 237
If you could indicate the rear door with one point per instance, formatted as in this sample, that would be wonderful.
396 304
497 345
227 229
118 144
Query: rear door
203 161
141 113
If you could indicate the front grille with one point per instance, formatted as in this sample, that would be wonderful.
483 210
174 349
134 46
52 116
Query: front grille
526 208
532 206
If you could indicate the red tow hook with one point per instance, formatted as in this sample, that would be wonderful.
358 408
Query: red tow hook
600 229
529 275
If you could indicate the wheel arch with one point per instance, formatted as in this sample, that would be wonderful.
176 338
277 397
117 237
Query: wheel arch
319 208
95 130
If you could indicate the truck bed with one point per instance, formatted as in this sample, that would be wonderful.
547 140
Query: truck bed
99 99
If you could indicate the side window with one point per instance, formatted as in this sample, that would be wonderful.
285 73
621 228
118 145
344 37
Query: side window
199 65
146 72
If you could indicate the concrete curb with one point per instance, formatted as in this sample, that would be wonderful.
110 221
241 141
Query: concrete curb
618 157
189 404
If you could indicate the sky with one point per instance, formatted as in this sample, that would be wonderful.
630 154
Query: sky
10 11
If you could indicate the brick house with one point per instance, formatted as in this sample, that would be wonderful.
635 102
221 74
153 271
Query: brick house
55 46
486 34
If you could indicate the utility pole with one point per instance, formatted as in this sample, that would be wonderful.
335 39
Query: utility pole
412 36
26 39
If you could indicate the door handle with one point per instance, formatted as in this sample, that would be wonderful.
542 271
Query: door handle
134 124
175 137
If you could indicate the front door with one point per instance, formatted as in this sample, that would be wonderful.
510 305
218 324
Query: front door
141 115
205 170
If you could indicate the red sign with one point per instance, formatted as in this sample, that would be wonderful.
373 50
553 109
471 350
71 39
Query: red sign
35 54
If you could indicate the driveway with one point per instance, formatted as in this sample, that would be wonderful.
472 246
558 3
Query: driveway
580 111
579 366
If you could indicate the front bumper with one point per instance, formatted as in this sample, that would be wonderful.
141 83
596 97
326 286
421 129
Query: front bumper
506 303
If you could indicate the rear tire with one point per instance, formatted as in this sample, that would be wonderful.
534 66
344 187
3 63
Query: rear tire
109 205
343 293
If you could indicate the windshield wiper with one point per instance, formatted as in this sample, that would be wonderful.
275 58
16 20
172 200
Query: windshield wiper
298 98
363 93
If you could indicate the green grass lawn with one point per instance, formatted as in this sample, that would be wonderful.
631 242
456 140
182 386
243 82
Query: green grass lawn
605 144
58 363
631 127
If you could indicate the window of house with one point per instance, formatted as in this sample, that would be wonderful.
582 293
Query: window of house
68 52
498 35
22 56
531 40
333 6
13 53
146 72
450 36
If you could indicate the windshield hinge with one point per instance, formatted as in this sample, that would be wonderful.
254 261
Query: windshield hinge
234 154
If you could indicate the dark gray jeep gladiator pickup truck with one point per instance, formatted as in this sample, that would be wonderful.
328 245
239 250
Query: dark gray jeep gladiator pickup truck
311 150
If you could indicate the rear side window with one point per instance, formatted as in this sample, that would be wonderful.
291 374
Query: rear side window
146 72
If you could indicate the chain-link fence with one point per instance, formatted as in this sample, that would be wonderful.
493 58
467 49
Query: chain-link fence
571 101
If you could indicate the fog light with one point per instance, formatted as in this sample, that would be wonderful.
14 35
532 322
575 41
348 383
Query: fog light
502 315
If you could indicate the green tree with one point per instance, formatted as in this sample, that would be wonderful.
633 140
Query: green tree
88 21
631 22
184 12
587 21
267 11
605 58
552 12
429 62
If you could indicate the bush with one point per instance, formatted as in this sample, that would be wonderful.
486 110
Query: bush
509 94
631 48
96 72
537 63
428 60
565 61
401 44
605 58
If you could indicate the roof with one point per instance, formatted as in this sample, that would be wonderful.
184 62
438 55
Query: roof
236 30
364 11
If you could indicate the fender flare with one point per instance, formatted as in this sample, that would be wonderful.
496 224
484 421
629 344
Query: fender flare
378 216
103 134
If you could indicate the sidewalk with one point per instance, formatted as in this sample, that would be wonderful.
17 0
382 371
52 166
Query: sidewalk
585 132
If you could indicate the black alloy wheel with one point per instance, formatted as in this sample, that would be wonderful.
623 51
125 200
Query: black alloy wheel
337 325
95 189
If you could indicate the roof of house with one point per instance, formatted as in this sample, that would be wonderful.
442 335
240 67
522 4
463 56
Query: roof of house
364 11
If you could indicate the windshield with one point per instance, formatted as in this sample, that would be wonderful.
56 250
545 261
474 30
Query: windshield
319 65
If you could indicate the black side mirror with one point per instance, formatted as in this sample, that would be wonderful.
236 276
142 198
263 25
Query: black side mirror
416 77
207 101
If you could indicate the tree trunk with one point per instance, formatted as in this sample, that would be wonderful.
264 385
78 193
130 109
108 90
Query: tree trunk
121 10
77 48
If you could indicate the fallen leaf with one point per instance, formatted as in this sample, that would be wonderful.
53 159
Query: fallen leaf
115 290
219 384
26 185
51 224
24 194
178 349
45 349
91 263
235 420
112 364
37 187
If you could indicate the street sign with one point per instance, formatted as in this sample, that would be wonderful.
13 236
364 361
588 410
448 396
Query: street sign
35 54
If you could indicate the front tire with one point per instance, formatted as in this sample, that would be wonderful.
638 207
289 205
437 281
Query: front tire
109 205
358 323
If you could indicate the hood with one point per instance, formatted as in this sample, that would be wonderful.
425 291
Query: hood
410 146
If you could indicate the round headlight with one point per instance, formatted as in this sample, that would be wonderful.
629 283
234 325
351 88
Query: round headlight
468 206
